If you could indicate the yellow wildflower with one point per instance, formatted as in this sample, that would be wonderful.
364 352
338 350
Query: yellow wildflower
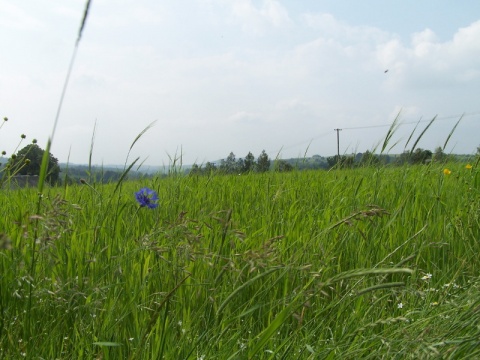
447 171
468 166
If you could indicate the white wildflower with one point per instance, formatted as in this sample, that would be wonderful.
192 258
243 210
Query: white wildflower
427 277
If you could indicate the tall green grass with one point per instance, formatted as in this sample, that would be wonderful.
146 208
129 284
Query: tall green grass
364 263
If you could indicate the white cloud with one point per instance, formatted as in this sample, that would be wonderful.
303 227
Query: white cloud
257 20
423 42
128 14
425 62
467 40
329 27
245 117
429 63
275 13
14 17
215 90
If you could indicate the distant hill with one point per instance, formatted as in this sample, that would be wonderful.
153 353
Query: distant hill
75 172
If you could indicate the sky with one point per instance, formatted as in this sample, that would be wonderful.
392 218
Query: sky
221 76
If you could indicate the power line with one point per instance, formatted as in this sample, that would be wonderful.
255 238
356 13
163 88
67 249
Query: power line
412 122
441 118
305 141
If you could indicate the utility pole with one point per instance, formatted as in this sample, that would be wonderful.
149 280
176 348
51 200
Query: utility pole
338 143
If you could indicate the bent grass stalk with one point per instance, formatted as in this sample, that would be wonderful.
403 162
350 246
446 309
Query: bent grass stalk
44 170
421 134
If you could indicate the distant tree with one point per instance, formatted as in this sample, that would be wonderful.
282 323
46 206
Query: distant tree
263 162
342 161
404 158
29 161
385 159
110 175
478 150
249 163
439 155
240 165
282 166
368 158
332 161
319 162
229 166
421 156
195 170
209 168
347 161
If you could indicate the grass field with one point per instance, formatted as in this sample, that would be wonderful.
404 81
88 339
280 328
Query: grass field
364 263
370 263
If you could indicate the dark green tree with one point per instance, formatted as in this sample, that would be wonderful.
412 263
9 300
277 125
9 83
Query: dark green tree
195 170
240 165
209 168
29 161
332 161
404 158
249 162
347 161
343 161
421 156
282 166
439 155
229 165
110 175
263 162
385 159
368 159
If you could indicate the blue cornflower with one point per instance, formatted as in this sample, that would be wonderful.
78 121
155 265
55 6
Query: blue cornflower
147 197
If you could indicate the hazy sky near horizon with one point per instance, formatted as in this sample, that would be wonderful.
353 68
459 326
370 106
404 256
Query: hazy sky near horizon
221 76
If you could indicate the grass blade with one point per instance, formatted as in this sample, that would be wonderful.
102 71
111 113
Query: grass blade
422 133
390 133
451 132
243 286
267 333
381 271
124 174
411 134
141 134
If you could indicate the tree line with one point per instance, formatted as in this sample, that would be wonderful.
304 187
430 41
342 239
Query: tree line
232 165
418 156
28 160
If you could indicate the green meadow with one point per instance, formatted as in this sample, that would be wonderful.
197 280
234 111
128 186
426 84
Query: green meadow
374 262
